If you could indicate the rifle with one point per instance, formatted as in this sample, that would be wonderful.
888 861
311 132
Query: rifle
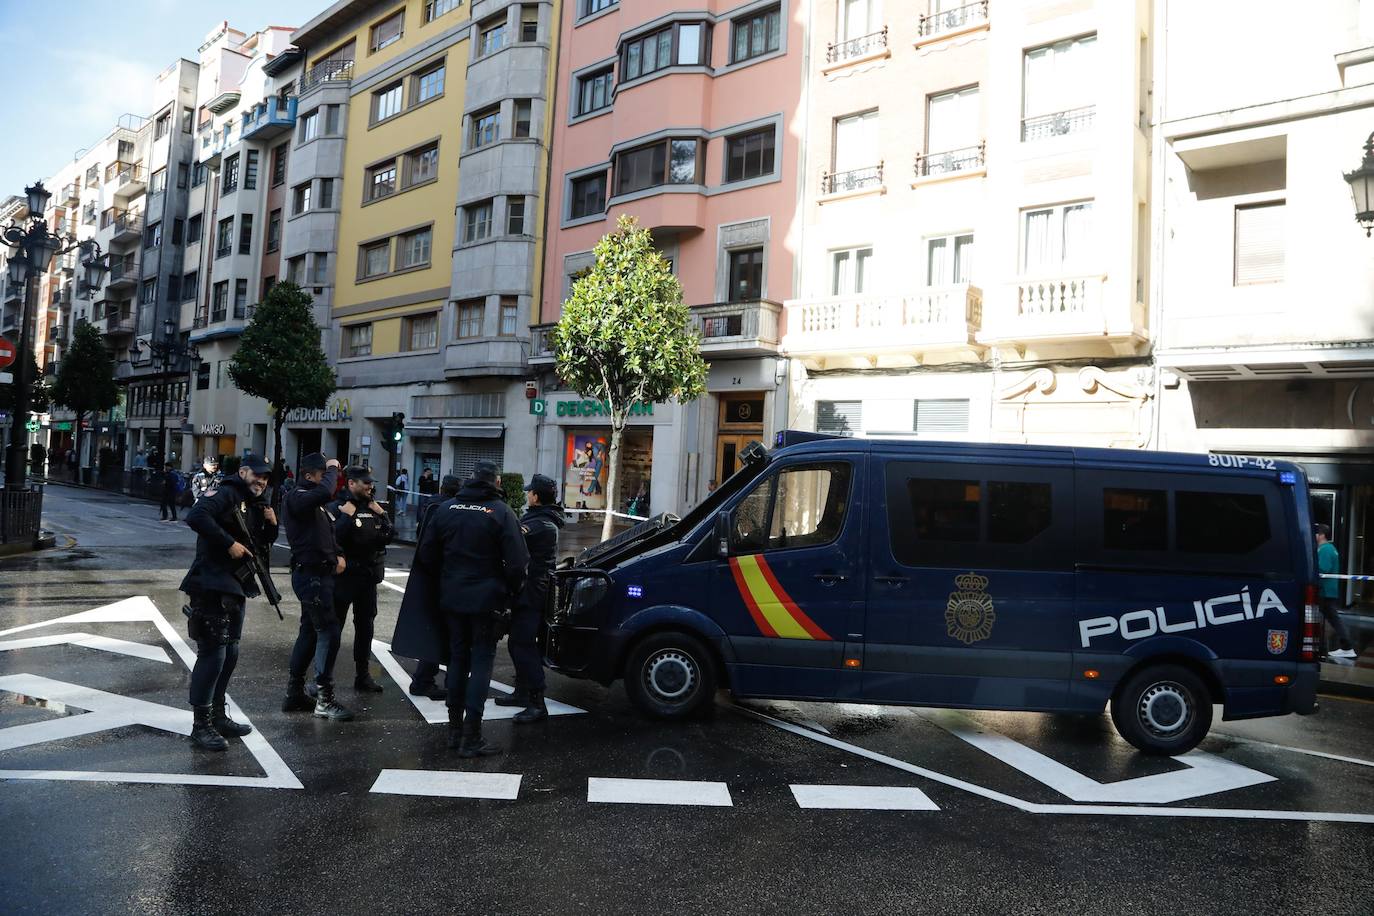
254 565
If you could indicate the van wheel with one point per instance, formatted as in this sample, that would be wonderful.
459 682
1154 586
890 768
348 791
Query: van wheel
1163 709
670 675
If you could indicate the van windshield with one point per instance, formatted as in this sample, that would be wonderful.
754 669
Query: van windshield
708 506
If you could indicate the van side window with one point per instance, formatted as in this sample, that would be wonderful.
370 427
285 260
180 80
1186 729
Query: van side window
1017 511
945 510
800 507
1220 522
1135 519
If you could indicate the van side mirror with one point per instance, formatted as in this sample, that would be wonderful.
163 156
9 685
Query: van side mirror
722 534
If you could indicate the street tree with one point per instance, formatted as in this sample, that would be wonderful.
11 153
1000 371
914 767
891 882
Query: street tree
38 390
279 359
624 337
86 377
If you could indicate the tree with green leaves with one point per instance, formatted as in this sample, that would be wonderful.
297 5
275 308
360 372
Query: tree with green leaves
279 359
38 390
86 377
624 337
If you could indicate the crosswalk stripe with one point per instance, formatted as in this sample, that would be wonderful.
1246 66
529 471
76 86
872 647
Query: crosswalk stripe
863 798
658 792
448 784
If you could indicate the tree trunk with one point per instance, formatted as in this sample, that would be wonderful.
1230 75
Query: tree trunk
613 475
278 465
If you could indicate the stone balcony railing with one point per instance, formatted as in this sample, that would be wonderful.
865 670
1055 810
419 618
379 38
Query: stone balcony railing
1054 308
863 326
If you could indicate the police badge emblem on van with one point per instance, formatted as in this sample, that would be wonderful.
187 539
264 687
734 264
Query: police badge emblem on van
969 615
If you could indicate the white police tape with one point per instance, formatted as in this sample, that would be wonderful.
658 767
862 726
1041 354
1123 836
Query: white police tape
572 512
1352 578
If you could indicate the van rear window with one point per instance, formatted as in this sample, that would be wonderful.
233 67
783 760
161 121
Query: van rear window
1135 519
945 510
1220 522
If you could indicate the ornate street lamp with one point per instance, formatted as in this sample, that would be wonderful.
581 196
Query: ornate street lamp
1361 183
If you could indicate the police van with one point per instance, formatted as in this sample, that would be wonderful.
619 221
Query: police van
974 576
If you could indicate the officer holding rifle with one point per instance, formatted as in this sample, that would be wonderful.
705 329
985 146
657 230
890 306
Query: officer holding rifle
235 528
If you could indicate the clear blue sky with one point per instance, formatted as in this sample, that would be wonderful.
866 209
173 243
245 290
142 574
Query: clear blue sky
74 66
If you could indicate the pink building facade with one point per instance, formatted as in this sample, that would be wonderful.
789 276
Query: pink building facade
687 120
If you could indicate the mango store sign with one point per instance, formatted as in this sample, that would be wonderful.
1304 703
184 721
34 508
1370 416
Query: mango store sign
540 407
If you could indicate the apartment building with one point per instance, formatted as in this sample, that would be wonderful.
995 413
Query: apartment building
974 242
689 120
1265 282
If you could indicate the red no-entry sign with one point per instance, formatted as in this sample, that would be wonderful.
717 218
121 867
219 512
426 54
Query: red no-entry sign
7 352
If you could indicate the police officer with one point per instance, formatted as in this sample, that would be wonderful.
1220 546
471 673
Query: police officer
217 585
422 683
363 531
540 524
206 478
315 562
473 549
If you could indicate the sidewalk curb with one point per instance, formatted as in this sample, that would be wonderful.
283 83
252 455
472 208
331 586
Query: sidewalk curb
1346 680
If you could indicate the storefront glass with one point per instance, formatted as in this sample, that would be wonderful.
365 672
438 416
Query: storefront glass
586 468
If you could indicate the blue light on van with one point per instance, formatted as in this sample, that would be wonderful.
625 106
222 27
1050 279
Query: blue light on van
1288 477
634 591
777 439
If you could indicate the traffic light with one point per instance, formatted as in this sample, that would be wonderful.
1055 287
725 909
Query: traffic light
398 432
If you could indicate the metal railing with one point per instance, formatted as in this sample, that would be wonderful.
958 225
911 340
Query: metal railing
329 71
541 342
958 160
957 18
856 47
852 180
1058 124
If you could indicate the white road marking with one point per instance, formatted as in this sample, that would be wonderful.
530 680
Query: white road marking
103 643
863 798
1296 750
658 792
394 587
1207 774
448 784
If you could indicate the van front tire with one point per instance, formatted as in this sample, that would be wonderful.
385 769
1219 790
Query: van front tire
1163 709
670 675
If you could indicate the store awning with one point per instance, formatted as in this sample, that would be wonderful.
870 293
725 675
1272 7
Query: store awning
485 431
424 432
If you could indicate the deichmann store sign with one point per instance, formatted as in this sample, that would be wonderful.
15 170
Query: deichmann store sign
540 407
339 410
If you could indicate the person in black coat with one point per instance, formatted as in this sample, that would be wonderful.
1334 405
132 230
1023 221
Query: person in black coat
472 548
540 525
217 585
167 510
363 531
422 683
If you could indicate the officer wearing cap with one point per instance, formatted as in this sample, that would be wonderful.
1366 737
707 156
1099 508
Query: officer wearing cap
363 531
472 550
315 562
422 683
217 586
206 478
540 524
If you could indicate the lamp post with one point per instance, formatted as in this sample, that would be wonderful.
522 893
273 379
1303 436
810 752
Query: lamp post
1361 183
166 352
33 247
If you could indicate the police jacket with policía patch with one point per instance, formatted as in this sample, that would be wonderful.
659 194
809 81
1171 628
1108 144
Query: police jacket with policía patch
362 538
212 519
310 524
540 526
473 548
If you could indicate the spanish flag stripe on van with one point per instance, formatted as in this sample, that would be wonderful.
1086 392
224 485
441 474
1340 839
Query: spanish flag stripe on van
773 610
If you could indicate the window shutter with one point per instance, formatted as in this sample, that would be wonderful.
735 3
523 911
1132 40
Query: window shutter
1259 243
934 417
840 418
468 450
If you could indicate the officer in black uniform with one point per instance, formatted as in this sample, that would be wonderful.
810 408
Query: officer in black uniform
315 562
540 524
422 683
473 549
363 531
217 585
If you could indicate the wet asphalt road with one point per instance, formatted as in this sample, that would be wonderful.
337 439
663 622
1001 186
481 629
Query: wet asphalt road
1023 813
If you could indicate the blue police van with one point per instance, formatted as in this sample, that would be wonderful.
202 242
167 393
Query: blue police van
975 576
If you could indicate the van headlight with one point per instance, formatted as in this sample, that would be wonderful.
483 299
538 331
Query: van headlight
587 593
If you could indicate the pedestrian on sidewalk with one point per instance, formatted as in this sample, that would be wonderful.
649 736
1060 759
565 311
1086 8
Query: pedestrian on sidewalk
171 486
1329 561
540 525
402 492
215 588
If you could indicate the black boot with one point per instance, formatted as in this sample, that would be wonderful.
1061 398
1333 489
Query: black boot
520 697
455 727
219 717
534 710
431 690
203 734
364 683
326 707
472 744
296 700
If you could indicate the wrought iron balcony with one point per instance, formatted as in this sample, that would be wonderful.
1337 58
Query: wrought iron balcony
129 178
738 328
967 159
961 17
852 180
864 45
1058 124
269 118
128 227
331 71
541 345
123 275
115 323
71 194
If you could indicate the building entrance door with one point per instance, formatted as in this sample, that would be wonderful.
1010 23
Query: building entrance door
740 422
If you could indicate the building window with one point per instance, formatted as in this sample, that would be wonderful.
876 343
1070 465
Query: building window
198 174
331 120
421 165
158 182
855 159
681 44
162 126
187 119
850 271
523 109
149 293
183 175
230 184
750 155
515 216
376 259
278 165
240 298
486 128
594 91
358 340
436 8
755 35
386 103
274 230
250 171
510 315
310 126
529 23
949 260
596 6
1259 243
664 162
319 268
178 231
193 229
190 285
421 332
381 181
219 301
267 284
941 416
840 418
477 224
152 235
301 201
295 270
470 315
203 376
246 233
413 250
326 198
588 197
1059 88
952 130
428 84
387 32
224 241
746 275
491 35
1056 240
